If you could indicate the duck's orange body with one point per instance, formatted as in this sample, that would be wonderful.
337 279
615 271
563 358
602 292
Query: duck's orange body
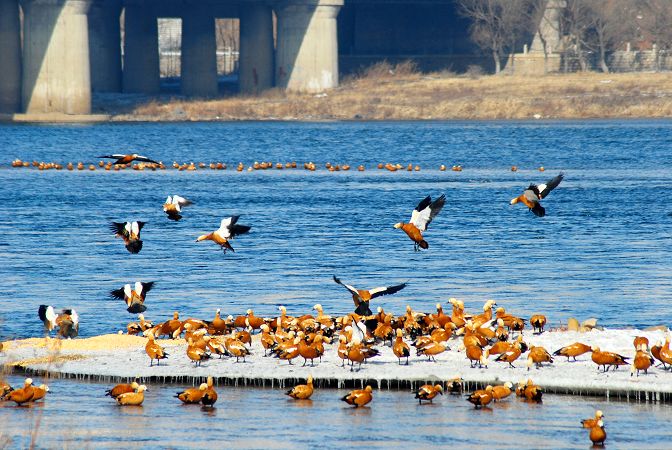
359 397
573 350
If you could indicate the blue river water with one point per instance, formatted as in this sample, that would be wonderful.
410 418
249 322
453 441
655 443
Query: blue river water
603 250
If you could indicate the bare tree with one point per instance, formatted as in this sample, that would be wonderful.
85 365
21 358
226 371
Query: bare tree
497 25
613 24
655 24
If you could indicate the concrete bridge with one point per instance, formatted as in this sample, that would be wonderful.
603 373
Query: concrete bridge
55 53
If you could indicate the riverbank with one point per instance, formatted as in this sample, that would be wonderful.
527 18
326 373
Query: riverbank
116 357
398 93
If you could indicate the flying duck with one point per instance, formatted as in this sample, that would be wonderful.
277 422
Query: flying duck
134 298
227 230
130 233
302 391
173 206
128 158
531 196
361 297
359 397
192 395
67 321
428 392
133 398
420 219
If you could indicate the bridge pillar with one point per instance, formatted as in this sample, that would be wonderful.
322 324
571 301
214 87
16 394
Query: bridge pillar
105 46
199 53
307 53
10 55
255 72
141 49
56 74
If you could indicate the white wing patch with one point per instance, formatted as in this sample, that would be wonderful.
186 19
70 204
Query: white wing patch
75 317
224 228
138 288
179 200
420 218
127 291
51 315
127 227
377 290
135 228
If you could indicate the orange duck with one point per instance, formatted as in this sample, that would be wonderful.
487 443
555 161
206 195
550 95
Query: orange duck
538 322
192 395
123 388
227 230
361 297
502 391
428 392
134 298
359 397
23 395
420 219
129 232
607 359
173 206
573 350
481 397
210 394
302 391
128 158
533 194
642 361
590 423
154 351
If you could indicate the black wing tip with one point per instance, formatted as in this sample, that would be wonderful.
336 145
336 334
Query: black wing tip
147 286
538 210
42 312
424 203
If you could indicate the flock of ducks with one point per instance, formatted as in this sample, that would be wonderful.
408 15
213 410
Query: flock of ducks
123 162
288 338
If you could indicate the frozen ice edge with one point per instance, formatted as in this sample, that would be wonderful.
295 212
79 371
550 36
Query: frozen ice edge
383 372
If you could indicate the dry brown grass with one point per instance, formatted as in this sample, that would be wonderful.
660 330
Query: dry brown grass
398 92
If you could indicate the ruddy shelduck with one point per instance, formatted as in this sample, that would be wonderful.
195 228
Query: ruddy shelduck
154 351
538 322
192 395
428 392
422 216
590 423
361 297
538 356
121 388
597 434
359 397
573 350
607 359
173 206
129 232
227 230
133 398
67 321
23 395
302 391
481 397
40 392
128 158
642 361
502 391
134 297
210 395
401 348
534 193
